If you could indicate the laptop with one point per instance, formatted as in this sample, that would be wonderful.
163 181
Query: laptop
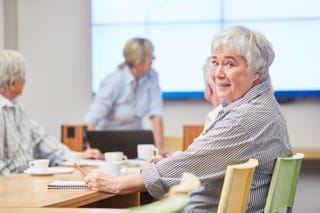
125 141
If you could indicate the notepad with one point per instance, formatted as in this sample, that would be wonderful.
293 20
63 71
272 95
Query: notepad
59 184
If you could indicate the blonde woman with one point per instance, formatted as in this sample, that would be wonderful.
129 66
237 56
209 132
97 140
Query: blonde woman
129 94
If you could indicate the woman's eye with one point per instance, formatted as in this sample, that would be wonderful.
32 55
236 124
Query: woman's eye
229 64
214 63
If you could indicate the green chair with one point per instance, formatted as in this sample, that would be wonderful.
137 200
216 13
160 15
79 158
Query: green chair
177 197
283 183
172 204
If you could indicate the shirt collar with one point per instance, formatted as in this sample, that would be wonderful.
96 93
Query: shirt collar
130 78
251 94
5 102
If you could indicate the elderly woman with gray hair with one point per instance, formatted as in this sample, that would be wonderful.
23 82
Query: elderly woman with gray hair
250 125
21 138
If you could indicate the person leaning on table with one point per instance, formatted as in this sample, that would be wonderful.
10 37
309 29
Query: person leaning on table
130 93
21 138
250 125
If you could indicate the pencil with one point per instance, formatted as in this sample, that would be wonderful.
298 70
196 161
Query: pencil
80 169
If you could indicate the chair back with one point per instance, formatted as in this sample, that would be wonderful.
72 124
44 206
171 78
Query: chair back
190 132
236 187
283 183
177 200
74 136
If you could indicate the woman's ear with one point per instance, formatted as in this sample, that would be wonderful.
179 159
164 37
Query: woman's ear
11 84
256 77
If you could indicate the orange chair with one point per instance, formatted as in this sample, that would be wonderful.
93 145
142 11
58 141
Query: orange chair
190 132
74 136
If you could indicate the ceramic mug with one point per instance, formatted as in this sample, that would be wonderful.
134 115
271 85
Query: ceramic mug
146 151
115 157
73 157
112 168
39 165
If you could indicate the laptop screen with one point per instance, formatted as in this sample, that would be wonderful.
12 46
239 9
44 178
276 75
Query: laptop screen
125 141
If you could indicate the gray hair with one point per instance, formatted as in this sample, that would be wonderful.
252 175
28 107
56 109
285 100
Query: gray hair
206 73
252 45
135 49
12 67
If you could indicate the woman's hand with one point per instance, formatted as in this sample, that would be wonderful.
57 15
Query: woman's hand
101 182
91 153
160 157
155 158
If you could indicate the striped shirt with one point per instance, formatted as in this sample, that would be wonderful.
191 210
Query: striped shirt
251 127
211 116
23 140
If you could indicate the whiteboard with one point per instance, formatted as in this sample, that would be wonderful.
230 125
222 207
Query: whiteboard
182 31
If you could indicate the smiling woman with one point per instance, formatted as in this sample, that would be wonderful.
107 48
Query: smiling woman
239 62
238 133
229 72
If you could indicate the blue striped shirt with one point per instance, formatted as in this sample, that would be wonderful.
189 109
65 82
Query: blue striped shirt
251 127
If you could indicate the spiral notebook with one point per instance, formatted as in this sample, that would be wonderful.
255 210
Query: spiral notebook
65 184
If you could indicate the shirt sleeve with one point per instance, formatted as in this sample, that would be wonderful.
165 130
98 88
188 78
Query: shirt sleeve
207 158
4 170
103 101
47 146
156 102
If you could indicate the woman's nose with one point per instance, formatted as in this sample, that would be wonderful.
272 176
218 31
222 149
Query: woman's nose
219 71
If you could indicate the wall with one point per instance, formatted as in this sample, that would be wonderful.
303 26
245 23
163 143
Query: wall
1 25
54 36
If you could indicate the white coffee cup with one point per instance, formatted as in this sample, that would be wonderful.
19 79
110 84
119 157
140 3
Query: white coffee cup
39 165
73 157
115 157
146 151
111 168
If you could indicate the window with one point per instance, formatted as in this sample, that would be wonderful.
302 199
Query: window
182 31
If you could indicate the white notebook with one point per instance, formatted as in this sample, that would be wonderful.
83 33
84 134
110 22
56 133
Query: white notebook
61 184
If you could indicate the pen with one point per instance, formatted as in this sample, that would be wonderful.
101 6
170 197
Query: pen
80 169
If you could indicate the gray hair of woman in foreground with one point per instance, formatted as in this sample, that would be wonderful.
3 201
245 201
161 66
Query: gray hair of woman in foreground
135 49
12 67
252 45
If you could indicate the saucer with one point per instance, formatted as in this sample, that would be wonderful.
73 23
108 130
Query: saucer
129 170
117 162
38 173
123 162
85 162
50 171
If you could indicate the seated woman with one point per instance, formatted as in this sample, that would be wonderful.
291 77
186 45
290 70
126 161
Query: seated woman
250 125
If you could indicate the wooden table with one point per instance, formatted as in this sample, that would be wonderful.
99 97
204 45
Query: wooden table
309 154
59 210
24 190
